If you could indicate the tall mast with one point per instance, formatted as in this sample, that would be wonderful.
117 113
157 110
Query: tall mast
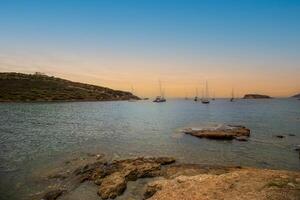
160 89
206 92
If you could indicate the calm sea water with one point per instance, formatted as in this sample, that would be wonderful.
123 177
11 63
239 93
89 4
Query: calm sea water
35 135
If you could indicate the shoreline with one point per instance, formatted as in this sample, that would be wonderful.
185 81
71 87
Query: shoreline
156 177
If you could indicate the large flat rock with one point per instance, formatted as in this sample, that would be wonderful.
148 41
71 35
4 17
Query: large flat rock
228 132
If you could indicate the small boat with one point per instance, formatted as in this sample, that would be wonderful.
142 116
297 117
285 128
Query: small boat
161 98
205 99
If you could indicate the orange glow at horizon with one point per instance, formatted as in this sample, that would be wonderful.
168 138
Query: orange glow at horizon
179 78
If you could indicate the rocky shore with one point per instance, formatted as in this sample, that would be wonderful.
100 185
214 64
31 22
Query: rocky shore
166 179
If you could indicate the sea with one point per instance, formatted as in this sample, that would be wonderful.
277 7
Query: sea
36 136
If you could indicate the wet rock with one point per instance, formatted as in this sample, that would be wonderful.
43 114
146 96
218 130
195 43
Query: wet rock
151 189
62 175
292 134
280 136
52 195
113 179
229 132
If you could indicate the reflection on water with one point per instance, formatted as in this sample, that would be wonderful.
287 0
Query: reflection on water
35 135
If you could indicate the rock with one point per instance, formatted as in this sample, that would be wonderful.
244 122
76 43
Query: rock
229 132
280 136
291 185
292 134
247 183
256 96
112 186
151 189
52 195
61 175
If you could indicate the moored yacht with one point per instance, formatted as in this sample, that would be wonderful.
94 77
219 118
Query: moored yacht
161 98
205 99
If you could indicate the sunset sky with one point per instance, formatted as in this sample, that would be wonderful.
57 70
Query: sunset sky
252 46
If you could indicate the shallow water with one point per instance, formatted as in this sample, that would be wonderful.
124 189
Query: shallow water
37 135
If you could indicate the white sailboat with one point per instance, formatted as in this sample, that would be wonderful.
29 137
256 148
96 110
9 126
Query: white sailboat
205 99
161 98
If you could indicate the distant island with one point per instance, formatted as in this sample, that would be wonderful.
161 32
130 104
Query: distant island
256 96
18 87
296 96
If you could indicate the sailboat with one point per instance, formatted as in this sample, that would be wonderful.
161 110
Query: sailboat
161 98
232 95
196 97
214 98
186 96
205 99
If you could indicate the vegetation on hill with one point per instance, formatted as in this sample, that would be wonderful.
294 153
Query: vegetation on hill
18 87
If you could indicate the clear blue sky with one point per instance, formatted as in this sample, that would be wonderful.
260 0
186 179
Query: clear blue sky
235 36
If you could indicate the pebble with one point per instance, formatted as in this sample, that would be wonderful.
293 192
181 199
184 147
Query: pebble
291 184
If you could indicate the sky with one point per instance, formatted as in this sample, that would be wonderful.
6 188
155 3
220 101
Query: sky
251 46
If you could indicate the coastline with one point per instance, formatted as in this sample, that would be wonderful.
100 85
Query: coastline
165 178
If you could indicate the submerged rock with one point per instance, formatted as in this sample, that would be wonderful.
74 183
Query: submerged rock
242 138
228 132
280 136
52 195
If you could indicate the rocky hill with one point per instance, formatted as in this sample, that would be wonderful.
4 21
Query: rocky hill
18 87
